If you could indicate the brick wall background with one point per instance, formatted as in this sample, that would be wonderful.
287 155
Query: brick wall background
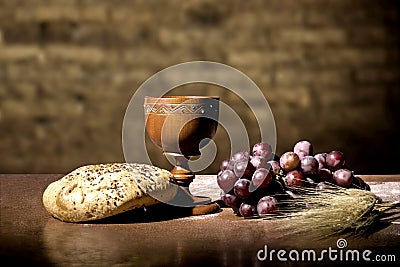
329 69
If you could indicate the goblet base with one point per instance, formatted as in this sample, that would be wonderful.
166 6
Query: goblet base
183 177
186 197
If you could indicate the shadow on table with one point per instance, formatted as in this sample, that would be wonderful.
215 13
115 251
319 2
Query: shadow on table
155 213
140 237
384 222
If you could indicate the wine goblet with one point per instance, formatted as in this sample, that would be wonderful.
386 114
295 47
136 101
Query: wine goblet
180 126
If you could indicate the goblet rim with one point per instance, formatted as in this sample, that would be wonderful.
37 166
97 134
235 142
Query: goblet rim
183 96
177 99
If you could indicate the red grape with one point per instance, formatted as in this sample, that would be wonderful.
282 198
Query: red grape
262 149
226 180
226 165
240 155
267 205
247 210
321 158
244 169
275 167
242 188
360 183
325 175
294 178
335 160
343 177
261 178
275 187
309 165
303 148
230 199
258 162
289 161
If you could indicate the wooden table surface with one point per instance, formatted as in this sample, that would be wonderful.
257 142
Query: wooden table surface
164 236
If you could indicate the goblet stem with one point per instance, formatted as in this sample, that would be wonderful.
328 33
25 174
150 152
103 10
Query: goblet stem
181 171
184 176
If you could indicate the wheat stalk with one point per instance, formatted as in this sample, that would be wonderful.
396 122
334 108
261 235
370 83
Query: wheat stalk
334 210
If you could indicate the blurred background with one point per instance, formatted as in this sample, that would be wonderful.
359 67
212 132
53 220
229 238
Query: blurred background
330 71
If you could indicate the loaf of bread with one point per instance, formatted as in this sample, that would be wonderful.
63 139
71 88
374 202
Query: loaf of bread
95 192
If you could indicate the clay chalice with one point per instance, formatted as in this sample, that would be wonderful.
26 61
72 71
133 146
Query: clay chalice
180 126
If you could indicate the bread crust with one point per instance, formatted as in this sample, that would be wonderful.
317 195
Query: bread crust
94 192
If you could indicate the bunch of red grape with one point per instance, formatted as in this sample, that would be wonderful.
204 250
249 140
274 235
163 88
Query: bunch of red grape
249 183
303 168
253 184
